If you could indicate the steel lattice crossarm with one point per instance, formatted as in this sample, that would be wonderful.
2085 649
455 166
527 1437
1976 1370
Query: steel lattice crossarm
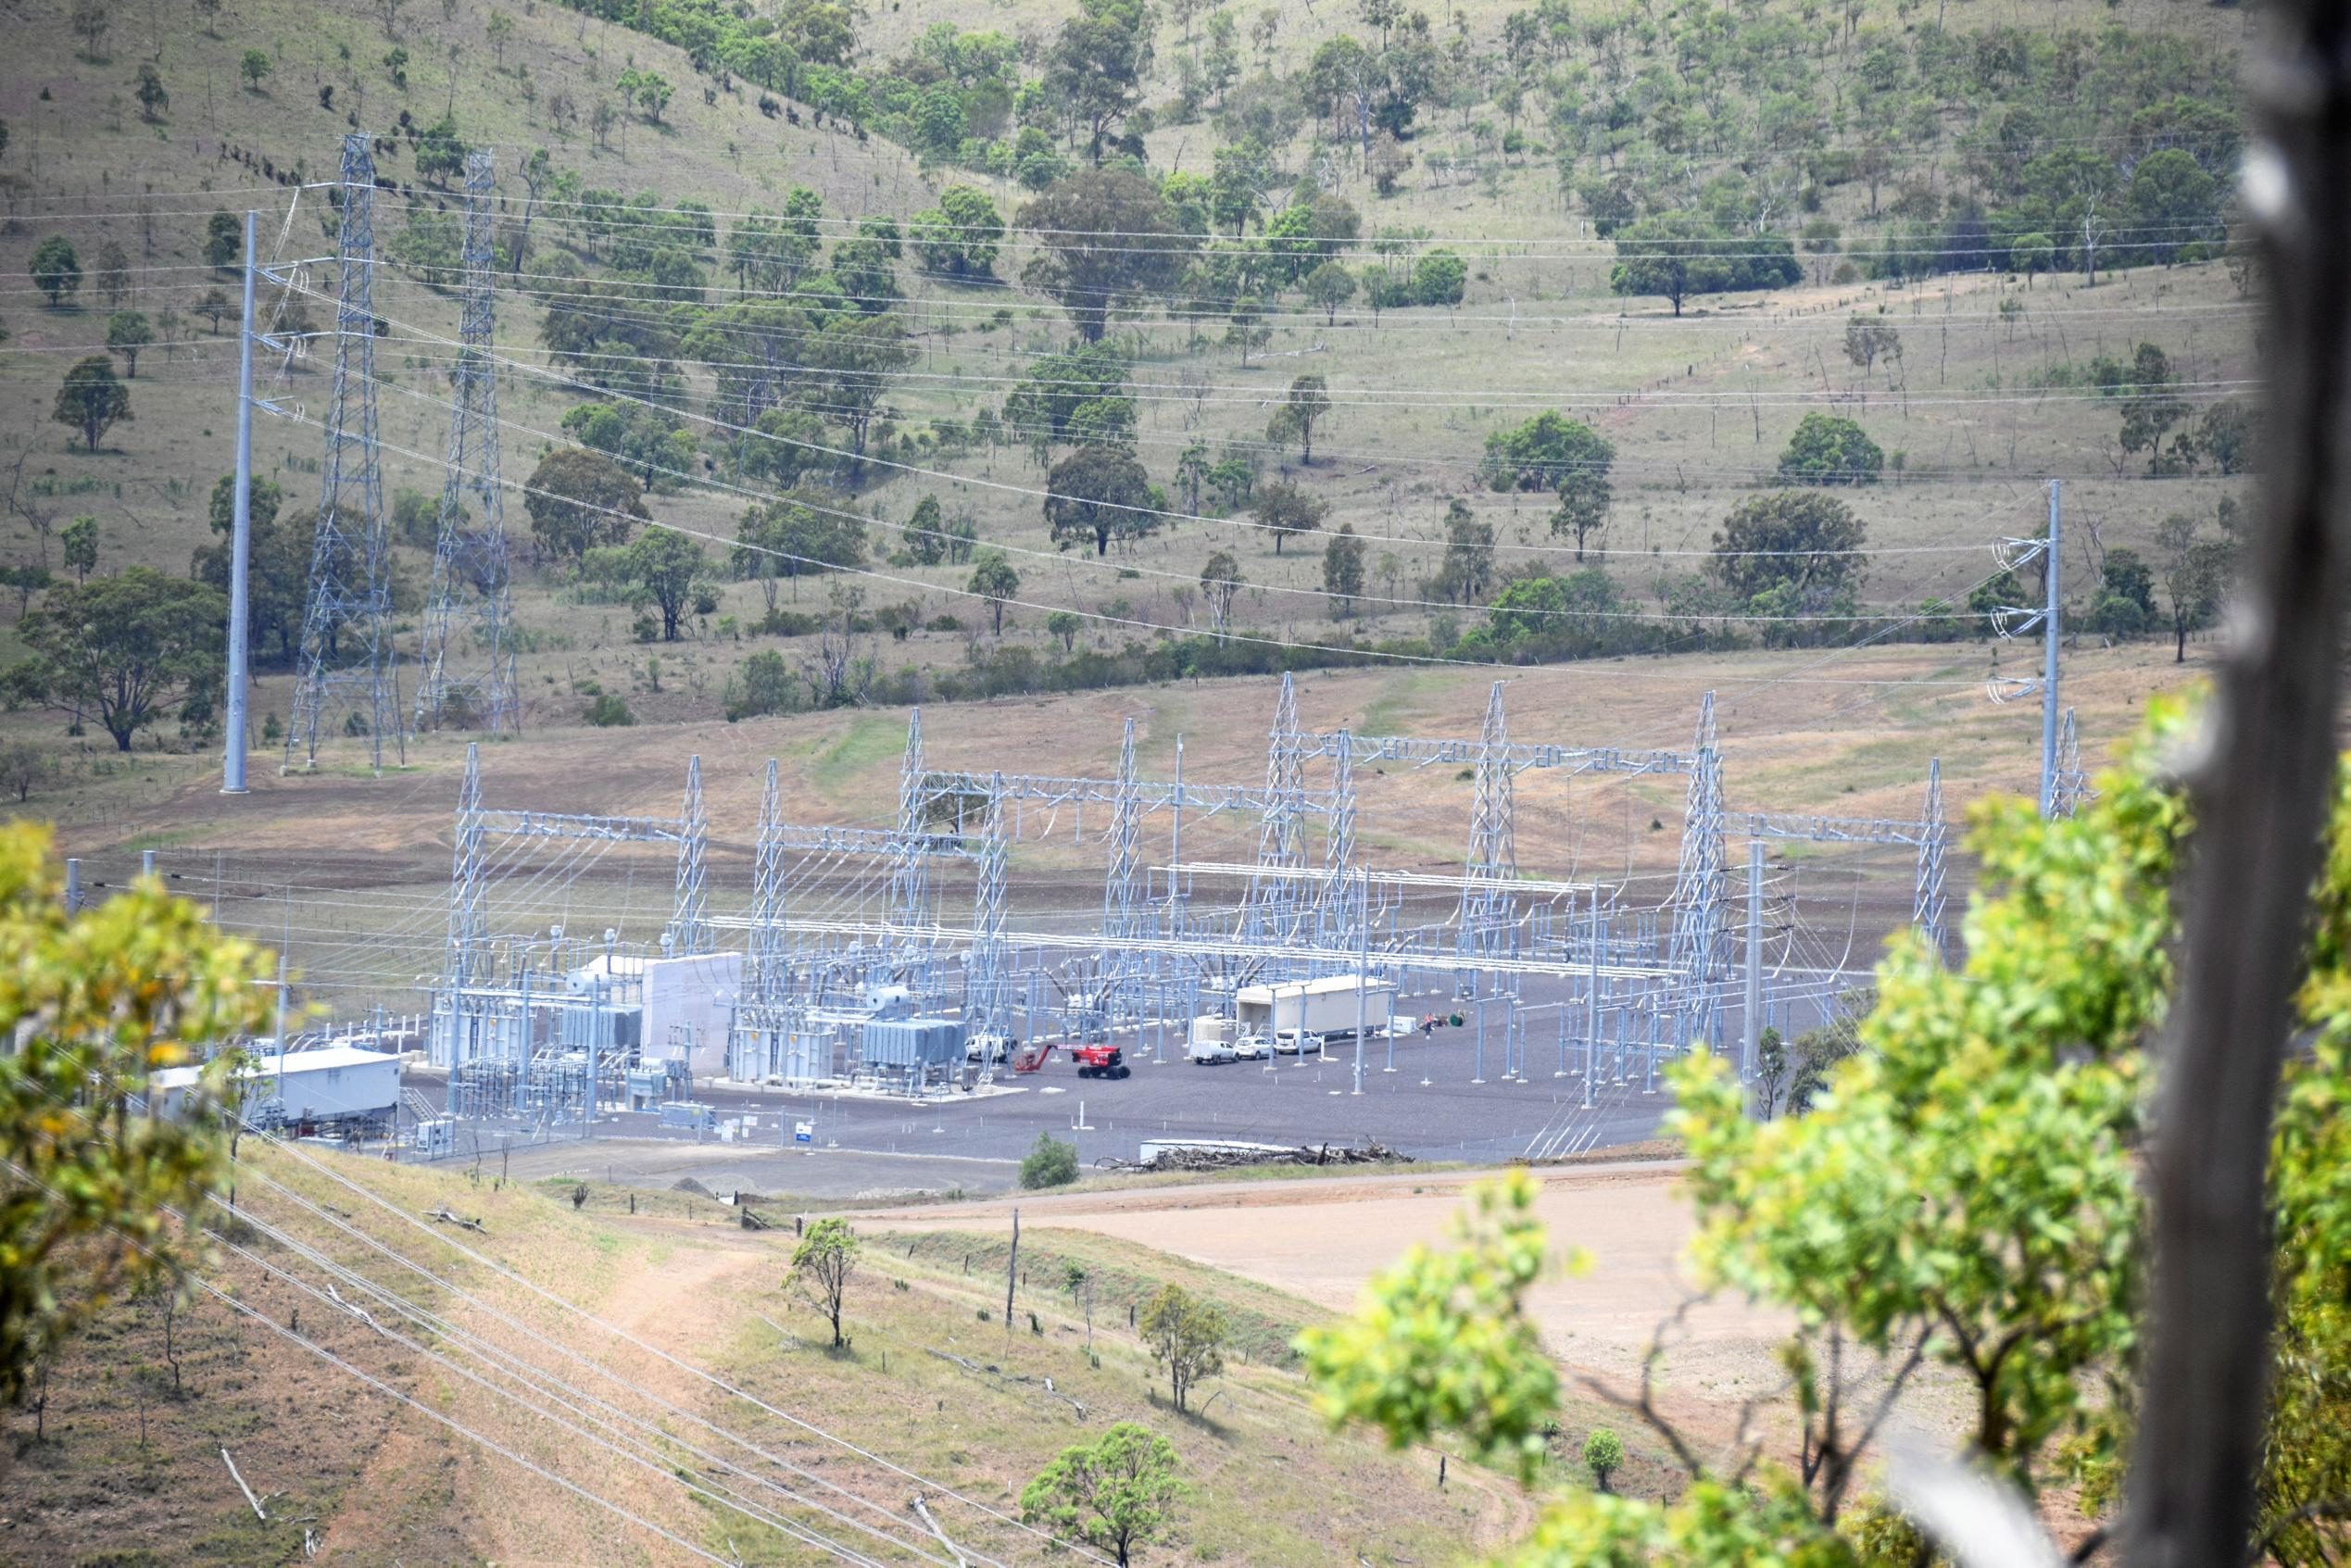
1521 756
1448 882
1151 795
1377 956
1831 830
800 839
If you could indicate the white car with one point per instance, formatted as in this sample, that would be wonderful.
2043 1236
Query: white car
1205 1053
1250 1048
1292 1042
987 1048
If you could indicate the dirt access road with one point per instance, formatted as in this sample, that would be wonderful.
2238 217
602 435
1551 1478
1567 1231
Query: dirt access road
1322 1239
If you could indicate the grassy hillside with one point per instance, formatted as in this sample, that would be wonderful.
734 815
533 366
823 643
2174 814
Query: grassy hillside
1926 120
129 1468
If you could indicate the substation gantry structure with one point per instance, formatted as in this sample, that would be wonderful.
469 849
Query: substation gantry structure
1660 971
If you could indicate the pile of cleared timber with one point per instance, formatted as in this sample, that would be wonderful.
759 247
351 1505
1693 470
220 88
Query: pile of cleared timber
1235 1159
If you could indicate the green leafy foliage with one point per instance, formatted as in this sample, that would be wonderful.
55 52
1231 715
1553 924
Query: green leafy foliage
1117 1494
1831 449
1052 1164
97 1004
579 500
1186 1335
822 1266
91 401
1442 1341
124 648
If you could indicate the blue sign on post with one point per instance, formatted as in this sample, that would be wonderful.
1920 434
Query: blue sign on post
803 1132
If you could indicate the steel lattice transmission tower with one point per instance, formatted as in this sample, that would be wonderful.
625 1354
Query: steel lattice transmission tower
466 962
1488 923
910 897
1122 898
346 626
1340 907
1274 899
985 978
1701 883
689 929
467 654
1928 899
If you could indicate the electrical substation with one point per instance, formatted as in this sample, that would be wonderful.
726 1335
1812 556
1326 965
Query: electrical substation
1304 956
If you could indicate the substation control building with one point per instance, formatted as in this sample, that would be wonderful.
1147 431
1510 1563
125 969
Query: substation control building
333 1088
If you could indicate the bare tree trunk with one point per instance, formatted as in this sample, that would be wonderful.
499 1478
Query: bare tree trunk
2261 792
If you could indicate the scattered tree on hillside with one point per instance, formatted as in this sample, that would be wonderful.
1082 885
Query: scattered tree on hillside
1868 339
2194 572
1098 494
126 333
1790 538
255 67
78 541
994 580
789 537
277 566
1220 582
90 19
1603 1455
149 90
1115 1495
1283 510
1186 1337
959 236
579 500
96 1003
2151 404
111 273
1675 255
1468 565
223 242
1092 279
1829 450
91 401
125 648
822 1266
1308 401
56 269
1329 285
1096 71
1343 570
661 566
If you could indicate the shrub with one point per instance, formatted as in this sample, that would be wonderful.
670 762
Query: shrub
1052 1164
609 712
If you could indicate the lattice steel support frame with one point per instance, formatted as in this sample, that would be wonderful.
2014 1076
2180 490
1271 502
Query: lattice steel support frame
909 870
468 621
689 930
2071 790
466 960
1926 900
346 621
1342 905
1123 900
1701 883
986 1013
1273 906
1487 926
